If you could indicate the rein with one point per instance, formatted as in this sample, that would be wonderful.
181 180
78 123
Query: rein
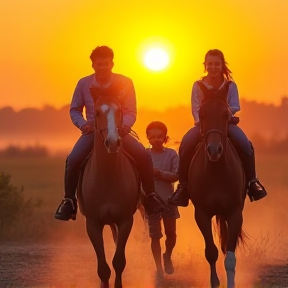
132 133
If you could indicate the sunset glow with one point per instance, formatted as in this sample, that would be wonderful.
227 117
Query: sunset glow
156 59
45 47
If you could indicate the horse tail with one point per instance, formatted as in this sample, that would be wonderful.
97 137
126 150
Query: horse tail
115 234
223 234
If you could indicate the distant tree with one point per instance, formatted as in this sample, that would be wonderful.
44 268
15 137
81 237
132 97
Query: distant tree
284 101
30 151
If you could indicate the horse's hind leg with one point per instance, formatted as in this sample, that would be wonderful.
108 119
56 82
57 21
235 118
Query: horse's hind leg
234 231
211 251
95 233
119 260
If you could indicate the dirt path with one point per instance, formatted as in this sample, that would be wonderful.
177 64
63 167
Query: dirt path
54 265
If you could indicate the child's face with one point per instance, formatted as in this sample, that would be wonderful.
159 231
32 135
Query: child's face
156 137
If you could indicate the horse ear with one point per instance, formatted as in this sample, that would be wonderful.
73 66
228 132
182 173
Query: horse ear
224 92
206 92
114 90
95 93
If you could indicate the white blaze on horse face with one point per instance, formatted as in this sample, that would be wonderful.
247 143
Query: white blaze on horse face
112 134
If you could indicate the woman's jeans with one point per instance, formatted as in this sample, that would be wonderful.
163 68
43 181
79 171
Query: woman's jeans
237 137
84 146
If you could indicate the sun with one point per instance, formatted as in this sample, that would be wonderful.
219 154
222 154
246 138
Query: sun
156 59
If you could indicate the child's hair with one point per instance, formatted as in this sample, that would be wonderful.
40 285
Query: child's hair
158 125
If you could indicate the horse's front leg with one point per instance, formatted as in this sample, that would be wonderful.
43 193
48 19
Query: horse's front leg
95 233
234 232
211 251
119 259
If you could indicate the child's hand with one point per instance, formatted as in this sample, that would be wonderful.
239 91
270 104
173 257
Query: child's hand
156 173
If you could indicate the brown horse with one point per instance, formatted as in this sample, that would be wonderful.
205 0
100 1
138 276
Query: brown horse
110 189
217 184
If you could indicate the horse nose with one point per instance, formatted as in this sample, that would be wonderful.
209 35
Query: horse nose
220 149
113 145
214 150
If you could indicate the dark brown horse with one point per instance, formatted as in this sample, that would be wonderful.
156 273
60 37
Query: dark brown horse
217 184
109 190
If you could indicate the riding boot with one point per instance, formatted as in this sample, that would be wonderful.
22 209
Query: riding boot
256 190
153 202
181 196
68 207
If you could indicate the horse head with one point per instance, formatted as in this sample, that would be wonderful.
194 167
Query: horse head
108 119
214 117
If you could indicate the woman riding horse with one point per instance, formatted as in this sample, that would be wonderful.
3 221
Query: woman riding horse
218 75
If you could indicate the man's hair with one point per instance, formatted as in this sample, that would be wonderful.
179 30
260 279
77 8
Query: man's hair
102 52
225 70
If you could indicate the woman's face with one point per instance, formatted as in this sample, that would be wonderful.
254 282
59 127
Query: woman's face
156 138
213 66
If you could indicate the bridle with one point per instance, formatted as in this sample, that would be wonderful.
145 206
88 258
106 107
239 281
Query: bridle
204 135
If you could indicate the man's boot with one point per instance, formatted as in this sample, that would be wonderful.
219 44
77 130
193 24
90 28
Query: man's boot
154 204
68 207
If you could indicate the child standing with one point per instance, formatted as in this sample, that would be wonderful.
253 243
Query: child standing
165 163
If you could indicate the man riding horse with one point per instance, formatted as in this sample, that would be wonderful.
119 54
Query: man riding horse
105 80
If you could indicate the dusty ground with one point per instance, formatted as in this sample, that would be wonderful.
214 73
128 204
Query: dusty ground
55 265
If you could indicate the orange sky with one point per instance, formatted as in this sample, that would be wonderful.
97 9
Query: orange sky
45 47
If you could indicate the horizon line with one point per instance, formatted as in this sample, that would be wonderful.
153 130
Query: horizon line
57 107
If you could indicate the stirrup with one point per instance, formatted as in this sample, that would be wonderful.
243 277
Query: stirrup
66 213
256 194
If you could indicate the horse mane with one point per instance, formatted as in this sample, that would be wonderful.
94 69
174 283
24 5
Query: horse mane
213 94
114 90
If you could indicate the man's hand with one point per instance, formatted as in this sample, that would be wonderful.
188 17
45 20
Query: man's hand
124 130
87 129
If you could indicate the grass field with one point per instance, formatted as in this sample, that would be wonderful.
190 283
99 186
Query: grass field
264 221
43 178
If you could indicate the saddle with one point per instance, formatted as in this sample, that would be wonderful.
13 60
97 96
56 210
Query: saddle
83 165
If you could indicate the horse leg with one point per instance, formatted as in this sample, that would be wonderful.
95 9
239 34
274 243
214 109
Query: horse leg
234 231
119 260
95 233
211 252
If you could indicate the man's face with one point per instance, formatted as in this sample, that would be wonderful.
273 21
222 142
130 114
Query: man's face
103 67
213 66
